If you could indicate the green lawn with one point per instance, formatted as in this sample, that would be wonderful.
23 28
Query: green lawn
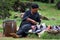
47 10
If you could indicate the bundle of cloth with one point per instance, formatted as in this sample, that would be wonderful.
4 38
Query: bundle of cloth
41 28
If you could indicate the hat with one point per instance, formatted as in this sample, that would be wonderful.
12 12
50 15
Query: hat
34 6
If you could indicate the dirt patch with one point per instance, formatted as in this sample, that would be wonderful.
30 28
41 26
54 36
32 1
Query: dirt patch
1 34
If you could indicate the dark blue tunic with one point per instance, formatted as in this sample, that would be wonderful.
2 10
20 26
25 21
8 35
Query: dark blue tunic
34 16
25 25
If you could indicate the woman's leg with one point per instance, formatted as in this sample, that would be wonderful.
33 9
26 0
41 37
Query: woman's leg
24 30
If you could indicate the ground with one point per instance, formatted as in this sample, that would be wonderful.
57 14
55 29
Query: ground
1 35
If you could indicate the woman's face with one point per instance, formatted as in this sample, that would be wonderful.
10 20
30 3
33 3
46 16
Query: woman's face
34 10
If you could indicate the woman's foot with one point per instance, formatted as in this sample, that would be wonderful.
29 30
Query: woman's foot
14 35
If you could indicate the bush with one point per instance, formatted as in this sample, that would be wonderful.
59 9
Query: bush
58 5
5 6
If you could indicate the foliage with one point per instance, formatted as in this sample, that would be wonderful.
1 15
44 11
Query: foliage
5 6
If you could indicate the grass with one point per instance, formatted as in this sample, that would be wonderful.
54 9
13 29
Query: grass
47 10
5 38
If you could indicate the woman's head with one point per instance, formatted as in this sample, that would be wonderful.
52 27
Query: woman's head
34 8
